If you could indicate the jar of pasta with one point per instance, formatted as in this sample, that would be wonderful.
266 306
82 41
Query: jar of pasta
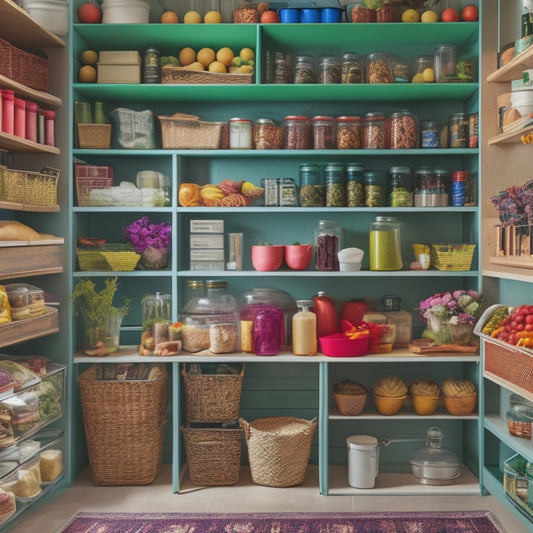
349 133
378 68
403 130
374 131
322 129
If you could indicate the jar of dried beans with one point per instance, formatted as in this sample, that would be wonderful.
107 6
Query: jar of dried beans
311 186
378 68
267 135
304 69
329 70
374 131
296 132
334 183
349 133
403 130
322 129
351 68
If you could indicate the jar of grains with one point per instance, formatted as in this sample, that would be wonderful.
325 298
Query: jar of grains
458 130
267 135
351 68
296 132
304 69
355 190
430 134
334 184
378 68
374 131
311 186
322 129
329 70
349 133
374 182
282 69
400 187
403 130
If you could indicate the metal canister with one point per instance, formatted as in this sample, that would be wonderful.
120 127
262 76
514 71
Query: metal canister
459 187
151 66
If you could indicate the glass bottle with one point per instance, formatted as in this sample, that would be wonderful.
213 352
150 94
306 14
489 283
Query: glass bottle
304 340
304 69
445 57
378 68
400 187
311 186
355 190
156 319
328 240
322 128
403 321
334 184
385 244
296 132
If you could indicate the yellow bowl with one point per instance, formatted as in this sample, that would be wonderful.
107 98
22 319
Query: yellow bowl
460 406
424 405
388 406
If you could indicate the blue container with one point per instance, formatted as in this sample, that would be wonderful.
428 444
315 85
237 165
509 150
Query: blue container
331 14
289 15
309 15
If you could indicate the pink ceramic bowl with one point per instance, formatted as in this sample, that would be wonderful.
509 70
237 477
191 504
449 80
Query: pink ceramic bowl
338 345
298 256
266 258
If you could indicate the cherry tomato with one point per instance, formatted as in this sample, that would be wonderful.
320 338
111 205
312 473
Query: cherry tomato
528 327
449 15
519 327
529 319
530 309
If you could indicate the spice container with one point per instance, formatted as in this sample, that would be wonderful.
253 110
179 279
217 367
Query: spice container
400 187
374 131
156 319
458 128
282 68
445 60
296 132
430 134
459 188
328 239
374 182
403 130
322 129
351 68
355 190
400 70
304 332
267 135
334 184
378 68
288 193
304 70
20 118
349 133
329 70
311 186
431 187
151 66
385 244
240 134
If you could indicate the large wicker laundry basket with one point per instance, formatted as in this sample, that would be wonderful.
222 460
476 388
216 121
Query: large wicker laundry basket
124 423
279 449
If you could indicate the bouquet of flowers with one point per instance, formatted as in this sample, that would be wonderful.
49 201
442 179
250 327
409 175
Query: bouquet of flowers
447 313
152 241
515 204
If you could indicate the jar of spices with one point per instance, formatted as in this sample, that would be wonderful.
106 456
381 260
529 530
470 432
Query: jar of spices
458 130
378 68
351 68
445 60
328 240
334 184
385 248
151 66
329 70
288 193
349 134
374 182
322 128
240 134
430 134
282 68
267 135
311 186
304 69
430 187
400 187
422 62
374 131
459 187
355 190
403 130
296 132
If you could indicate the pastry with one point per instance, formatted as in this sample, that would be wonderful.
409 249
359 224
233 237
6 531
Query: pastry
454 388
424 387
390 387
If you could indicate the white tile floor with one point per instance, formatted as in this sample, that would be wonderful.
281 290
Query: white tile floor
243 497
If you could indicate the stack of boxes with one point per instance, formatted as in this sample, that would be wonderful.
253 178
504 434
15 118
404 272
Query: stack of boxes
207 245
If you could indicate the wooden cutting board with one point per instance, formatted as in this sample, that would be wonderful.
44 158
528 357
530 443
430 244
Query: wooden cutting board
426 346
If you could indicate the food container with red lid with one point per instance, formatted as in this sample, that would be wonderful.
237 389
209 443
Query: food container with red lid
296 132
323 128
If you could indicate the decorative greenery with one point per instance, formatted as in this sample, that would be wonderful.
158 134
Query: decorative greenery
143 234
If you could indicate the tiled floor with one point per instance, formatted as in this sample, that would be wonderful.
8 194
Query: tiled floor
243 497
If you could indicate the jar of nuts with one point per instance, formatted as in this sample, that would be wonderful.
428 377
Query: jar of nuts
322 129
349 133
267 135
400 187
329 70
355 191
351 68
334 182
304 69
296 132
403 130
378 68
374 131
311 186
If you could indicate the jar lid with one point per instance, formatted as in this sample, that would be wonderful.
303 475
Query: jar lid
354 167
194 284
8 94
295 117
400 170
329 59
350 55
429 124
216 284
458 116
309 167
348 119
31 106
237 119
265 121
152 50
321 118
374 116
423 170
391 303
441 170
49 113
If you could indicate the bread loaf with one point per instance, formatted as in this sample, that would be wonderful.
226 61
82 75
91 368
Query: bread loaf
13 230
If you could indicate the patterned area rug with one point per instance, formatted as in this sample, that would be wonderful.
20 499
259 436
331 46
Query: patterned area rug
414 522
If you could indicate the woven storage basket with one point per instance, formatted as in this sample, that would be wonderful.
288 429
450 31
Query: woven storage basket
350 404
452 256
279 449
26 187
84 186
94 135
106 258
212 397
124 425
178 134
23 66
213 455
177 75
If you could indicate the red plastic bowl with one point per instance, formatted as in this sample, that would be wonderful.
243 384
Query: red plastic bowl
338 345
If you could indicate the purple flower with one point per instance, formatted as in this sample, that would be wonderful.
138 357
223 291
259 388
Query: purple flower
142 234
463 306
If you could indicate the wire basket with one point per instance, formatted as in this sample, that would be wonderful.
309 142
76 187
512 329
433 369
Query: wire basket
177 75
94 135
84 186
179 134
115 257
28 187
452 256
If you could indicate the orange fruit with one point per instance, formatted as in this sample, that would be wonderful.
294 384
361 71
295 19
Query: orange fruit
89 57
217 66
87 74
213 17
192 17
169 17
205 56
187 56
225 56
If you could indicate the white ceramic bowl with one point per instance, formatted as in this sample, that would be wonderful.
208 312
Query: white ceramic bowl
51 14
125 12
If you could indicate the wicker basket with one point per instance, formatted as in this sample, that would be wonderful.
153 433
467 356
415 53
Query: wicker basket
212 397
350 404
213 455
108 257
177 133
279 449
452 256
94 135
27 187
177 75
124 425
84 186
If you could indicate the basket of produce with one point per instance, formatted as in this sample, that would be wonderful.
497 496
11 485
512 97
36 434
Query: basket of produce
28 187
124 419
180 75
117 257
94 135
452 256
181 131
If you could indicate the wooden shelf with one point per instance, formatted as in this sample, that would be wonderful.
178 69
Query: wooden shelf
405 413
31 94
513 261
30 208
510 136
31 328
513 69
18 144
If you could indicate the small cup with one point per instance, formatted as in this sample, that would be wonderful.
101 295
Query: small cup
267 258
388 406
298 256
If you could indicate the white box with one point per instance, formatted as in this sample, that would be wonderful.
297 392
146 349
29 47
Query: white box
122 57
207 226
207 240
207 255
207 265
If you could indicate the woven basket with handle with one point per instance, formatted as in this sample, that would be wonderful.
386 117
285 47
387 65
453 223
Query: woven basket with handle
186 132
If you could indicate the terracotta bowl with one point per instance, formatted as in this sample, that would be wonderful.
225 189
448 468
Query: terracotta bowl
298 256
267 258
460 406
389 406
424 405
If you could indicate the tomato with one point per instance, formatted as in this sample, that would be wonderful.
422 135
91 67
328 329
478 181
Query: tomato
528 327
269 17
89 13
449 15
470 13
529 319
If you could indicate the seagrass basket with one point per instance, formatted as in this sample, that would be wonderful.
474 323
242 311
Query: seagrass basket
94 135
178 133
213 454
212 397
452 256
177 75
29 187
279 449
124 423
111 256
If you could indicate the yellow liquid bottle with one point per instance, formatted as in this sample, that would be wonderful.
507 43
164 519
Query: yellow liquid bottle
304 341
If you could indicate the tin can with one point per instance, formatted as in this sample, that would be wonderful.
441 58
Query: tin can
151 66
240 134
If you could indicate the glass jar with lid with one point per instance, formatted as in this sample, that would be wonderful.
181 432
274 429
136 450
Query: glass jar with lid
403 130
445 58
322 129
296 132
430 190
374 182
352 68
403 321
400 69
328 241
267 135
311 186
374 131
304 69
240 134
349 133
422 62
156 318
334 185
267 333
378 68
430 134
458 130
329 69
400 187
355 190
385 250
282 68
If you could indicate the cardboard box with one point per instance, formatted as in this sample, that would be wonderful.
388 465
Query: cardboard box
207 240
114 57
207 226
111 73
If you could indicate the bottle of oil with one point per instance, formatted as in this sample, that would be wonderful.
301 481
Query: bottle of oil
327 321
304 338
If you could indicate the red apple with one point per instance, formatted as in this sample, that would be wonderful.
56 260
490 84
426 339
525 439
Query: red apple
89 13
449 15
470 13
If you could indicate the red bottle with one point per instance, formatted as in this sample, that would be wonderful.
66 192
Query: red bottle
327 321
354 310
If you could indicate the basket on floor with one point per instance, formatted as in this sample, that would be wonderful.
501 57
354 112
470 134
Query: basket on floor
178 133
124 424
212 397
213 454
29 187
279 449
94 135
452 256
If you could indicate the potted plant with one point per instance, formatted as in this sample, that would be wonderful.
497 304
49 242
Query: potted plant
152 241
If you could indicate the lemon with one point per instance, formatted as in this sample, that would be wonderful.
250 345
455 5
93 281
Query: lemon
410 15
195 65
429 75
418 78
225 56
247 69
217 66
212 17
192 17
187 56
246 54
205 56
429 16
89 57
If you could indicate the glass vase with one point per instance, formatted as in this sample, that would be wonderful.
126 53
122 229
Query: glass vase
437 330
103 338
462 334
154 258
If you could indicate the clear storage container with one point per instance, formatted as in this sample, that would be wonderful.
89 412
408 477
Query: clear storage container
445 58
296 132
400 69
374 131
304 69
329 70
403 130
352 70
458 130
25 300
328 240
349 133
156 319
355 189
402 320
374 182
322 129
431 188
385 244
334 185
311 186
430 134
267 135
400 187
378 68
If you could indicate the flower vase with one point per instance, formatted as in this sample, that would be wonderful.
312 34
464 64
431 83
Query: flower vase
437 330
103 338
462 334
154 258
